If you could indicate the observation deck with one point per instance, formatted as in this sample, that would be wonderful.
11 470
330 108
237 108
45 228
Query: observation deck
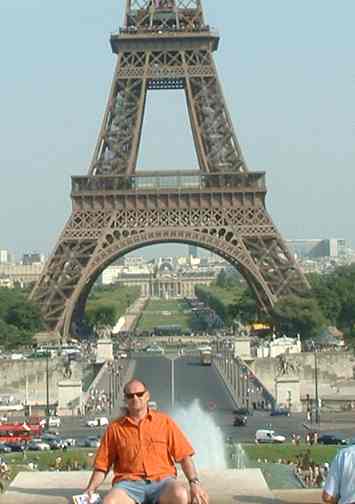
170 21
179 189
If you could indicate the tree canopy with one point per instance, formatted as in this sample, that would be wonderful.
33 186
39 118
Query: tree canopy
330 301
20 319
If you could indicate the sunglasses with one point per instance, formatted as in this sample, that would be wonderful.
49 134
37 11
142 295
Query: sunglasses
130 395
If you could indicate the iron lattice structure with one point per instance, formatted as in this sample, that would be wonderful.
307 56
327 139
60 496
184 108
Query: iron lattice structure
165 44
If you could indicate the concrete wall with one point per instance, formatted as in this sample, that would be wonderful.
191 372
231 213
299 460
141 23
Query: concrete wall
332 367
14 374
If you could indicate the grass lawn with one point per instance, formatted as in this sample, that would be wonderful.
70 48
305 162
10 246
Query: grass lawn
228 296
44 459
70 460
288 451
164 312
119 297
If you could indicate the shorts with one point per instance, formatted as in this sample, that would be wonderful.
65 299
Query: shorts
147 491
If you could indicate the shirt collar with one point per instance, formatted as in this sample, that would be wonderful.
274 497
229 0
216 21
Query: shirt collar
126 418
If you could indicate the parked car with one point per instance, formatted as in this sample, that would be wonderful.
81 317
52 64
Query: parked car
280 412
57 444
53 421
268 436
240 420
332 439
53 432
92 442
38 445
154 349
97 422
4 448
70 442
16 447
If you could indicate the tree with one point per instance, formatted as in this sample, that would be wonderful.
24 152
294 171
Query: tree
298 315
104 315
25 316
12 337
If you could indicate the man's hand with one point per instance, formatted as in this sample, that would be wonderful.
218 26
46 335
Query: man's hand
329 499
91 495
198 494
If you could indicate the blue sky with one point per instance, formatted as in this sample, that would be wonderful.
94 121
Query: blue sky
288 75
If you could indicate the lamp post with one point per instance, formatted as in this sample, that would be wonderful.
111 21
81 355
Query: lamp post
317 419
172 383
172 358
47 390
110 394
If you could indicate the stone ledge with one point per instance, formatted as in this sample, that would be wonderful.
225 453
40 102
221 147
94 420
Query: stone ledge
240 486
298 496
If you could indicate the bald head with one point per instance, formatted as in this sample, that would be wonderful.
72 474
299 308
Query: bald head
134 382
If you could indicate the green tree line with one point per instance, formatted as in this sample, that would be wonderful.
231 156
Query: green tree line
106 304
20 319
330 301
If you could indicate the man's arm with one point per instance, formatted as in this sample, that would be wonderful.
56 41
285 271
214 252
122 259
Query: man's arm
198 494
96 479
188 468
329 499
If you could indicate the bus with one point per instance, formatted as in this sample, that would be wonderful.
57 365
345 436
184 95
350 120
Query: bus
19 432
206 357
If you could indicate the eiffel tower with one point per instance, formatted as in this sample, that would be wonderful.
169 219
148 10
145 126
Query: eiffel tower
163 45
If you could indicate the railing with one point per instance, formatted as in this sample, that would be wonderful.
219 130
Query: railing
133 30
177 181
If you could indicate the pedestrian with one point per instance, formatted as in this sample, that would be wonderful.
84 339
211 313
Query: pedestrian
142 447
339 487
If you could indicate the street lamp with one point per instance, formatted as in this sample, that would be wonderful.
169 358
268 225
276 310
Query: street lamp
316 384
172 358
47 390
172 383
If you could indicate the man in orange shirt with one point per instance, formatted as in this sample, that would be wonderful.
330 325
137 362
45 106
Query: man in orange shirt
142 448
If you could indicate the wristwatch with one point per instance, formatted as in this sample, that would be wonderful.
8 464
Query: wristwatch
194 481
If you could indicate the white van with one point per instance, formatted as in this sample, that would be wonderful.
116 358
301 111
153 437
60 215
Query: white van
268 436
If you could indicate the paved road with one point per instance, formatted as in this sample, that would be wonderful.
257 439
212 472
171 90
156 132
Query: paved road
194 381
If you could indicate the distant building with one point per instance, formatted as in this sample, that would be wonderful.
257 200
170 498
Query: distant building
21 274
6 282
32 258
279 346
165 277
316 248
5 257
193 251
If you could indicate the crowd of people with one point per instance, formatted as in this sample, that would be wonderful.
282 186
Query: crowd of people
310 474
97 402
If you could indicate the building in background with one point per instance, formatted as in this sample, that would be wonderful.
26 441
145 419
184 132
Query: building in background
163 277
193 251
317 248
21 274
31 258
5 256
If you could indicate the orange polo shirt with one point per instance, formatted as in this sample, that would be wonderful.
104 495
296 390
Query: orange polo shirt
147 450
